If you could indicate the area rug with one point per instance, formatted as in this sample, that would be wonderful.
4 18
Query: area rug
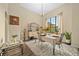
46 49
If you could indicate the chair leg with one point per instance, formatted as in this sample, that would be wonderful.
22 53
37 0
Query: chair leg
40 44
62 48
35 40
59 49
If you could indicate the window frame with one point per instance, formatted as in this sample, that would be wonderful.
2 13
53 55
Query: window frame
51 23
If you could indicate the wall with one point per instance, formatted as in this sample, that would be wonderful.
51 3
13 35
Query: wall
75 25
2 22
25 17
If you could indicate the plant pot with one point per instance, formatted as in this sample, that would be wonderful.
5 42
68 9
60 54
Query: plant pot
68 41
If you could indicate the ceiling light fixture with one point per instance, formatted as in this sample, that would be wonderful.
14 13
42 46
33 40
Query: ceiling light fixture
43 9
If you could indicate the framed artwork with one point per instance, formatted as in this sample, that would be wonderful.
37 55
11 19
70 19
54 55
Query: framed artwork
14 20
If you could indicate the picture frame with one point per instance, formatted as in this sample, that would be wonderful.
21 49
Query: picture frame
14 20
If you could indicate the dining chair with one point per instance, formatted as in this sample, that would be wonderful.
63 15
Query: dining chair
59 42
40 37
40 41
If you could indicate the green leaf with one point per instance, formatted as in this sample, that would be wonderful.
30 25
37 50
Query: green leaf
67 35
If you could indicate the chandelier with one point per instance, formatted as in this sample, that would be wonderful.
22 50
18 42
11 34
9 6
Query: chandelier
43 10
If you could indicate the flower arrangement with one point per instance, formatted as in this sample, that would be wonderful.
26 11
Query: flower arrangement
14 38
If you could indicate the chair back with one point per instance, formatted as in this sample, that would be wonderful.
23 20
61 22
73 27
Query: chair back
61 37
40 37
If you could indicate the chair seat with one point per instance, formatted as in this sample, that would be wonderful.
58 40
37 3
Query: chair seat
57 42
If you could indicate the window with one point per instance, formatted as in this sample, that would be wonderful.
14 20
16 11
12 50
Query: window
53 24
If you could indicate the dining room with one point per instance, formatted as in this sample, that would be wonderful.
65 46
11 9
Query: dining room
39 29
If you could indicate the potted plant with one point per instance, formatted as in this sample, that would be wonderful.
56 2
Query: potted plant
68 37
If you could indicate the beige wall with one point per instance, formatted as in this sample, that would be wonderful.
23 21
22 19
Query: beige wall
2 21
25 17
75 25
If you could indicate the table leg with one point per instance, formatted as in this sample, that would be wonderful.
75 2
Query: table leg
53 48
21 46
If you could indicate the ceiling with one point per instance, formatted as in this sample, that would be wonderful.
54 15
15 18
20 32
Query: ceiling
41 8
